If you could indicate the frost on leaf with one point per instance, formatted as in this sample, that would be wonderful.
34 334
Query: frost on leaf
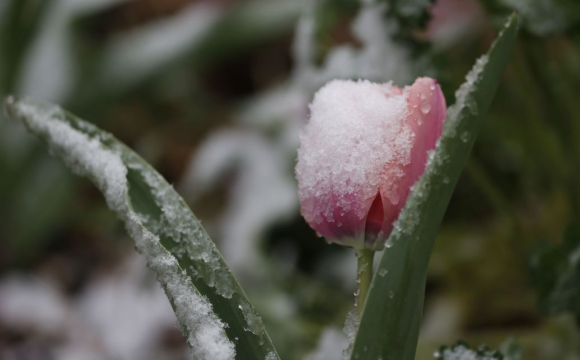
464 95
83 149
350 328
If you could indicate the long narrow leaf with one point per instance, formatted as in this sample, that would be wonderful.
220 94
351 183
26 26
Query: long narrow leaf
389 326
212 310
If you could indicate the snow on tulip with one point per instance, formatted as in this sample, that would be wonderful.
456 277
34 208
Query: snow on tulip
364 147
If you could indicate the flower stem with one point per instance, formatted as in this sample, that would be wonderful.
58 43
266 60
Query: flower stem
364 275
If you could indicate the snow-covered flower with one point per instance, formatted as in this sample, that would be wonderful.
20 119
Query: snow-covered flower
361 151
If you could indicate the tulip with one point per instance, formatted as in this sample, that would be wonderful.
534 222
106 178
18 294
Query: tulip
363 148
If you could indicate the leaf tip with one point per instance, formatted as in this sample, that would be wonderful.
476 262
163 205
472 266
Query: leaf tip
515 17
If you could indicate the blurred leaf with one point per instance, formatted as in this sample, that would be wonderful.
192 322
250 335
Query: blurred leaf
19 23
196 37
24 174
28 225
461 351
555 272
389 325
176 247
511 350
543 17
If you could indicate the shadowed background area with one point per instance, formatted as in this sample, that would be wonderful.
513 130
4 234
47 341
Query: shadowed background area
213 94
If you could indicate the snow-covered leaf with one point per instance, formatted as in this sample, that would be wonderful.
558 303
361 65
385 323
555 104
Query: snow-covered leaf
213 311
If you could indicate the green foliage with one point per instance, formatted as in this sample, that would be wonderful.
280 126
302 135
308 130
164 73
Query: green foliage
555 272
389 325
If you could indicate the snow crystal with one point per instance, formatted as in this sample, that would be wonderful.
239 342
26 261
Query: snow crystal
176 223
350 327
335 164
253 320
86 156
463 95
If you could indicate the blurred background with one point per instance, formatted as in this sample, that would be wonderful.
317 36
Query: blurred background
213 94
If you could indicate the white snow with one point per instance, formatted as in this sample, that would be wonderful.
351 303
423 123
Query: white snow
125 311
49 68
32 305
334 164
121 314
463 97
460 352
331 343
350 327
139 52
88 157
379 59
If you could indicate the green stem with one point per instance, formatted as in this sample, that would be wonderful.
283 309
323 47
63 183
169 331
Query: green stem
364 275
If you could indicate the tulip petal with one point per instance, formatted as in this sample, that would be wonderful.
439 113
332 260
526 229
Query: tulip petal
426 113
374 220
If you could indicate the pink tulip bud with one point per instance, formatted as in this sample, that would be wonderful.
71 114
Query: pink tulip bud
364 147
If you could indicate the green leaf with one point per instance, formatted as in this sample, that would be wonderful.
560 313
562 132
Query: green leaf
176 247
389 325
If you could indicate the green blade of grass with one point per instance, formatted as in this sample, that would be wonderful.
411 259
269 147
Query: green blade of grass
389 325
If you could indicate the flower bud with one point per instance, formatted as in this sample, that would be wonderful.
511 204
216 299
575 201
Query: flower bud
363 148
